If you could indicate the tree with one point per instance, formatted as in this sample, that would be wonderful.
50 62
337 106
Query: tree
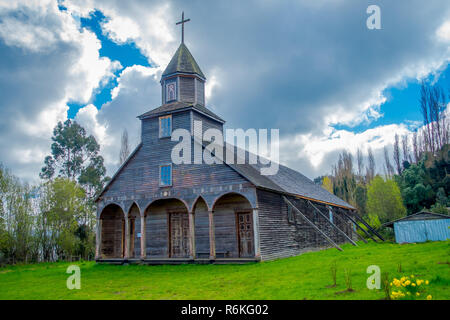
124 147
16 219
360 164
75 156
384 200
442 202
62 206
433 103
344 182
370 171
327 184
416 150
73 153
361 199
388 166
416 190
405 148
397 155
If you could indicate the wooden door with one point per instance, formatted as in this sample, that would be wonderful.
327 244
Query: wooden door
179 235
245 234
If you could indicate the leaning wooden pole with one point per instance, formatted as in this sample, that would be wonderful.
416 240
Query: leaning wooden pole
332 224
358 226
369 227
341 219
311 223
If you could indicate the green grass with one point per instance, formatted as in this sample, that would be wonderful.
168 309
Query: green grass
307 276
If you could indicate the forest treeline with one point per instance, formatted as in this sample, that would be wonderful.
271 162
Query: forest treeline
56 219
413 177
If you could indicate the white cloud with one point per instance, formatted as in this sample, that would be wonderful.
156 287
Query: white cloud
443 33
137 92
45 62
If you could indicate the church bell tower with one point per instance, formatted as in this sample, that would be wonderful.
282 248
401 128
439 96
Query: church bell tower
183 81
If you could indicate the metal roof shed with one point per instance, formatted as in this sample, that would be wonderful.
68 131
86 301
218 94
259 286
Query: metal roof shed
421 227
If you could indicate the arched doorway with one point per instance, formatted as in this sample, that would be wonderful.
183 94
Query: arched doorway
233 224
134 223
202 237
113 232
167 225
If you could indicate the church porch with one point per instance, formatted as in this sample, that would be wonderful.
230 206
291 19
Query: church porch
169 232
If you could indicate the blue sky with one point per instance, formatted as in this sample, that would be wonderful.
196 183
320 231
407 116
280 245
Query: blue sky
309 68
127 54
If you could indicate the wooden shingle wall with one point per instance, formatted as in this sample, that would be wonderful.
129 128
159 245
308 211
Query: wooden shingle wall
280 238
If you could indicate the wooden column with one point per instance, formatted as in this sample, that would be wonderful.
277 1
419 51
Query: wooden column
98 240
143 242
256 233
127 238
191 235
212 237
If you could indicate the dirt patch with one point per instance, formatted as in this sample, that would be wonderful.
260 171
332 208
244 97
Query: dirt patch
345 291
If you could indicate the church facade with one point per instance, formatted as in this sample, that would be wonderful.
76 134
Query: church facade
154 211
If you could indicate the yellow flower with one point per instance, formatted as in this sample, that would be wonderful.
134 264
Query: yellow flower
391 284
417 293
408 293
429 297
413 284
427 282
412 276
408 282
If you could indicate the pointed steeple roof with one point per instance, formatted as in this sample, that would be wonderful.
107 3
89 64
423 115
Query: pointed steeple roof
183 62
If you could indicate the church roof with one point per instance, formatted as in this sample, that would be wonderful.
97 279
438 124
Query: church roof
287 181
184 62
180 106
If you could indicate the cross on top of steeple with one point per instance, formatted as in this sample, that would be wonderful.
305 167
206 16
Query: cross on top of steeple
182 22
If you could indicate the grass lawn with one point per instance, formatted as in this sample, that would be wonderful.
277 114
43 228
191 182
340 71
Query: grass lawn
307 276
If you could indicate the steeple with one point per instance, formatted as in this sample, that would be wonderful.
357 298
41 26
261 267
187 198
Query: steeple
183 62
182 80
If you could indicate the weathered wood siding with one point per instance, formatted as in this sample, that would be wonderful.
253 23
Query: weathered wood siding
200 92
135 246
140 176
112 232
201 229
187 89
207 123
225 224
157 226
280 238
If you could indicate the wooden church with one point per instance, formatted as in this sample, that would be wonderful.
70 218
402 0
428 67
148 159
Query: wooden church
154 211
